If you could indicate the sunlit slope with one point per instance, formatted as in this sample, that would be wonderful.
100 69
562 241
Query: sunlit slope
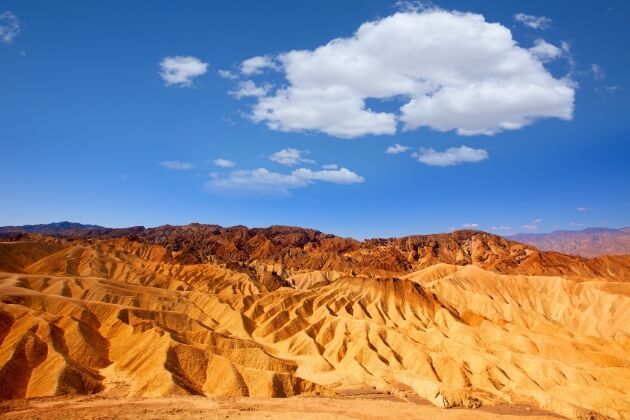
124 318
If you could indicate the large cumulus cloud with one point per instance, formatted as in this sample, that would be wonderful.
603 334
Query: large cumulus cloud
444 70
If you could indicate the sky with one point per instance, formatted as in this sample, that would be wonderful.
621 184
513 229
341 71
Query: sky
360 118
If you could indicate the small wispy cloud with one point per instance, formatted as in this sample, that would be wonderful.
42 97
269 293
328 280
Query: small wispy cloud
336 176
181 70
470 225
255 65
176 165
536 221
415 6
330 166
450 157
227 74
575 224
9 27
597 72
503 228
290 157
224 163
396 149
530 228
534 22
545 51
610 89
262 180
568 55
583 209
248 88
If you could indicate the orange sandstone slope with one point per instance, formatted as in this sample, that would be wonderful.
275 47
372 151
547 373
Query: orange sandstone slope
293 248
462 320
305 249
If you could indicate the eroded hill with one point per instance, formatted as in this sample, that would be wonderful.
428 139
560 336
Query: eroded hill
461 320
294 248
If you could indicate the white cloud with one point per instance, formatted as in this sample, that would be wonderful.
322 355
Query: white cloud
9 27
330 166
260 179
256 65
470 225
534 22
608 89
177 165
395 149
334 110
180 71
545 51
530 228
536 221
337 176
505 228
227 74
290 157
583 209
224 163
598 72
266 181
414 5
574 224
568 56
450 70
248 88
451 156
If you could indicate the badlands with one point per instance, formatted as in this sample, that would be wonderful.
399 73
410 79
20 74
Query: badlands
201 321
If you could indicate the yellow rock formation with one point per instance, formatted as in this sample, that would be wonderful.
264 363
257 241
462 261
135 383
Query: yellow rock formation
122 318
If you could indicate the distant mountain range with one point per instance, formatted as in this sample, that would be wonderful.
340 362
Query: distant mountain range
52 228
591 242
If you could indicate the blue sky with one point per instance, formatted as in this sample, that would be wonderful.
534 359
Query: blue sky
114 113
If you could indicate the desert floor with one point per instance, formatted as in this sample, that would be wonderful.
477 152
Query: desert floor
366 406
